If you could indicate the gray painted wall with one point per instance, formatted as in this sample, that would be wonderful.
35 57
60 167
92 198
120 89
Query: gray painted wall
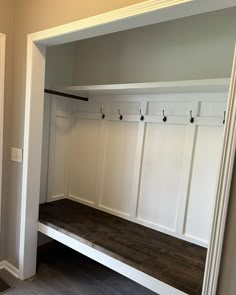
197 47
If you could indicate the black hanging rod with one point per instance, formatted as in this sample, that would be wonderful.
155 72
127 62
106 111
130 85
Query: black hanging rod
66 94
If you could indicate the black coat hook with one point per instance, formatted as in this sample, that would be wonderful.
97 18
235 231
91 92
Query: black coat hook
120 116
141 116
102 114
164 119
191 117
224 117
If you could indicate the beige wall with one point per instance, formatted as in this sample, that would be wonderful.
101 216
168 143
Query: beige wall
33 16
30 16
6 27
227 282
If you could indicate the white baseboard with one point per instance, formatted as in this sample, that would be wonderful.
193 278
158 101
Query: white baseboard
10 268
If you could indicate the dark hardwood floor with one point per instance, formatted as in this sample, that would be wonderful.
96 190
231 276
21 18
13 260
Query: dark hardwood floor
171 260
3 286
62 271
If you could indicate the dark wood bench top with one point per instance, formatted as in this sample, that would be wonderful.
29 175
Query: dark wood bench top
173 261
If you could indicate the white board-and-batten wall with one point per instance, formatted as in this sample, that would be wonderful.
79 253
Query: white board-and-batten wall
159 174
118 55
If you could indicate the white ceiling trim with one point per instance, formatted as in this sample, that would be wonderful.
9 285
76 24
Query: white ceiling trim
141 14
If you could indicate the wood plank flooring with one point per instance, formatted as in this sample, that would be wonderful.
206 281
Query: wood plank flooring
62 271
171 260
3 286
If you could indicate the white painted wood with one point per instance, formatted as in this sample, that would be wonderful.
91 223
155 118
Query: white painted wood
138 164
59 134
31 158
185 178
101 162
67 147
45 148
190 141
88 154
211 121
119 165
181 120
208 121
2 80
170 232
81 200
191 86
161 172
163 97
174 108
223 191
126 108
203 181
138 15
212 108
84 160
114 264
52 153
82 107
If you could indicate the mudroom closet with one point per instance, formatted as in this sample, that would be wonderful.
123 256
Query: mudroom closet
151 158
132 142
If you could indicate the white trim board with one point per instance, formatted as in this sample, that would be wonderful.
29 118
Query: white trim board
122 19
133 16
188 86
114 264
223 192
2 80
10 268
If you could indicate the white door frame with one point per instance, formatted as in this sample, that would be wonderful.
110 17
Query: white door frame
2 80
129 17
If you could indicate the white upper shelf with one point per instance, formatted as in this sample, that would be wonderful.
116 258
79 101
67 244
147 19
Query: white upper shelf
190 86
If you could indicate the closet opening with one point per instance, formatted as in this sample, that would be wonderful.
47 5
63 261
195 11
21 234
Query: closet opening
131 173
133 146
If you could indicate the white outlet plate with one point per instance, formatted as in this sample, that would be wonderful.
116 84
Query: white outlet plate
16 155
